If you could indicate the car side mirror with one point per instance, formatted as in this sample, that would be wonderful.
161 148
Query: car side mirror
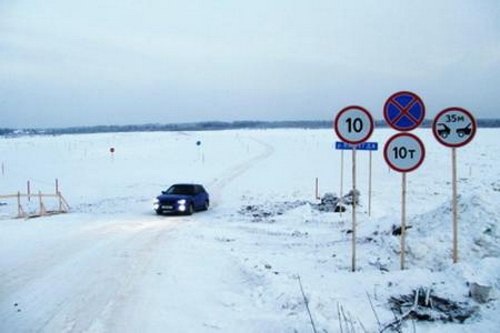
163 192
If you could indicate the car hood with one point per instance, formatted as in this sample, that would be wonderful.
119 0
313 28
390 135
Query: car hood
169 197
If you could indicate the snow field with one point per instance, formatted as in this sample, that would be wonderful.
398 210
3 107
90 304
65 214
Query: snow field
113 266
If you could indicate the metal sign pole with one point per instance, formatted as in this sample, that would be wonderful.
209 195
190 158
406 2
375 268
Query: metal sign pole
403 221
353 125
455 205
370 187
354 209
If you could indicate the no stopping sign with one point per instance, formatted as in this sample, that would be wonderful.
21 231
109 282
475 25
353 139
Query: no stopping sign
404 152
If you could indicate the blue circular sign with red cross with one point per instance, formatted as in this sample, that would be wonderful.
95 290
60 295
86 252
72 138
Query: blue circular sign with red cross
404 111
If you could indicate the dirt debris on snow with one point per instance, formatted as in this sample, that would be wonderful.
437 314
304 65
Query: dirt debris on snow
268 211
422 304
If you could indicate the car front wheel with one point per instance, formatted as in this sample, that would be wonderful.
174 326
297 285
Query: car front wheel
190 209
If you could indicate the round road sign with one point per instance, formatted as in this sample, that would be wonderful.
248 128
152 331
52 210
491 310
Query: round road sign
353 124
454 127
404 152
404 111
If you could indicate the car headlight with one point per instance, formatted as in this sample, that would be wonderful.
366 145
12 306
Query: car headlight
156 204
181 202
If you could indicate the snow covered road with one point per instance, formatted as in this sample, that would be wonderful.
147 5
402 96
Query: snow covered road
124 273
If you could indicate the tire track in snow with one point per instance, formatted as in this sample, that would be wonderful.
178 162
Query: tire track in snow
218 184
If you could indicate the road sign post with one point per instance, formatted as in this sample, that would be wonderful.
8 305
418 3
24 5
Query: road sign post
454 128
354 198
454 203
370 146
403 221
404 153
370 186
354 125
341 173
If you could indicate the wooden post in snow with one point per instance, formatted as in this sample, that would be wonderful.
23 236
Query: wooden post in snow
19 207
42 207
60 202
29 190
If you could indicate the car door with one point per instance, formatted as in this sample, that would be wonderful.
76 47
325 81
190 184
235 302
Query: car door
198 197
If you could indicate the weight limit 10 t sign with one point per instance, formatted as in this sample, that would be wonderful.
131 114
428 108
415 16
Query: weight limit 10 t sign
404 152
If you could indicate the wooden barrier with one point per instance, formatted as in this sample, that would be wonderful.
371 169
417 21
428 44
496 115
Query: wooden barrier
63 204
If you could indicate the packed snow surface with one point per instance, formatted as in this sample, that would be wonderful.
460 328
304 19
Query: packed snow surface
112 265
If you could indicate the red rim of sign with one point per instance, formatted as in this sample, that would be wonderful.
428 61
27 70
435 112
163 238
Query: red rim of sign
392 138
386 109
359 108
438 138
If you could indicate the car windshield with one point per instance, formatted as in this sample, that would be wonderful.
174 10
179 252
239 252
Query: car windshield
181 189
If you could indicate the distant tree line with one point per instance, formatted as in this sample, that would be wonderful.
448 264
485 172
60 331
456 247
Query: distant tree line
202 126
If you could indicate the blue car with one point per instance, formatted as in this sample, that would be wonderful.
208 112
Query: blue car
182 198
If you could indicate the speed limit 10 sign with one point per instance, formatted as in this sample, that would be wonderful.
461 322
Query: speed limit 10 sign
354 124
404 152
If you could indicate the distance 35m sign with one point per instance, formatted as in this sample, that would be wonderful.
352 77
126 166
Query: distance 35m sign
454 127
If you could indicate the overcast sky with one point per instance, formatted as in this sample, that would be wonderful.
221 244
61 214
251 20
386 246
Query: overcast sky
72 63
